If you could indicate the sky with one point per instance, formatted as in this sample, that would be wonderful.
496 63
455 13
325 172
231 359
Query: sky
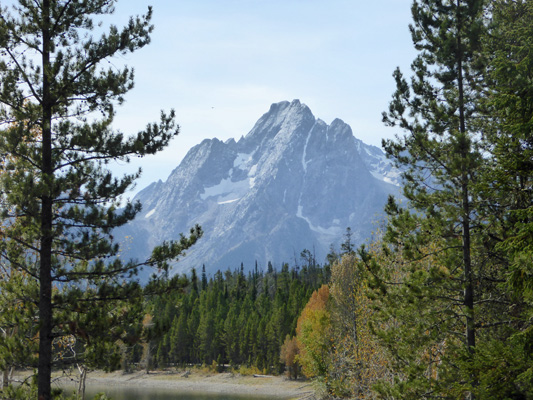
220 64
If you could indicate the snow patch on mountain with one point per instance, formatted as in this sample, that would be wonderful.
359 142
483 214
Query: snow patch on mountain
331 231
304 154
227 190
150 213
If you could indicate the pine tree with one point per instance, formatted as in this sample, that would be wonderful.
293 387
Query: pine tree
347 247
508 129
59 196
440 157
507 186
204 278
231 335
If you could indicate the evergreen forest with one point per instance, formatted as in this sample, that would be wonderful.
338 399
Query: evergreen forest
232 319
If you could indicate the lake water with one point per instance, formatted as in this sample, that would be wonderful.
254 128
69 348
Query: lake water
136 393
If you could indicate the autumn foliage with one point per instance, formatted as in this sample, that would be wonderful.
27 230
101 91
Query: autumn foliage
312 333
358 360
288 355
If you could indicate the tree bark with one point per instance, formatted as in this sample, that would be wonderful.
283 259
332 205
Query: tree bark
81 385
5 377
465 205
45 268
467 259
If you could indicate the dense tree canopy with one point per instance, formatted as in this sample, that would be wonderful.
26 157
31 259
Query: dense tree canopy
234 318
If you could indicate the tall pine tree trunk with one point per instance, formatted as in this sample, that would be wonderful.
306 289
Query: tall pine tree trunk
45 272
465 219
442 161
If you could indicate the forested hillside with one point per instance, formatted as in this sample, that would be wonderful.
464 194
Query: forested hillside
229 318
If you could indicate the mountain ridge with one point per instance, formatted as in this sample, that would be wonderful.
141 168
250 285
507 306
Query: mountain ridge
292 183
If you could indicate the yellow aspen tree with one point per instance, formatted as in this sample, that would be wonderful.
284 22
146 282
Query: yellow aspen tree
312 334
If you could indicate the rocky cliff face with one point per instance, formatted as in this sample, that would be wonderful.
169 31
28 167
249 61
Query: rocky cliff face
292 183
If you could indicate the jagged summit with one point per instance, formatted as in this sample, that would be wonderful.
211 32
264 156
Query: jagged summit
292 182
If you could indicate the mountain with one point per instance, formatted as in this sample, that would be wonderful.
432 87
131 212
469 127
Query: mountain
292 183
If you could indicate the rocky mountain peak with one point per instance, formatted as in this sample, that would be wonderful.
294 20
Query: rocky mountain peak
292 183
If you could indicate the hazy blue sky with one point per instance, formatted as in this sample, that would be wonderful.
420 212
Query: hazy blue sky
221 64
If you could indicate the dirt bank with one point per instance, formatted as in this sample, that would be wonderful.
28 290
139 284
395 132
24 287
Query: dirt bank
272 386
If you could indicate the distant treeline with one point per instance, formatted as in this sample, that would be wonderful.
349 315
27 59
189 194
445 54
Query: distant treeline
233 317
